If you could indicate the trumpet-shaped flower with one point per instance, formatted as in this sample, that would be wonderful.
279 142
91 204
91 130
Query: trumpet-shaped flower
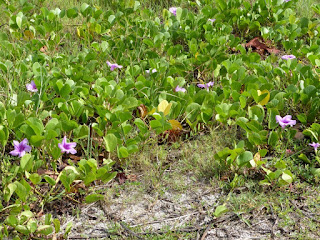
152 71
286 120
21 148
32 87
173 10
206 85
113 65
67 147
287 57
212 19
180 89
315 145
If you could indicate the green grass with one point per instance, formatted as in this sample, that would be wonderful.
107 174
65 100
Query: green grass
167 166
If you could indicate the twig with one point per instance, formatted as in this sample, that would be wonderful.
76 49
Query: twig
129 230
274 223
164 220
205 232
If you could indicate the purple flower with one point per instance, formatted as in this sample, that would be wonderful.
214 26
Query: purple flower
212 19
21 148
286 120
67 147
315 145
152 71
287 57
32 87
206 86
113 65
287 0
180 89
173 10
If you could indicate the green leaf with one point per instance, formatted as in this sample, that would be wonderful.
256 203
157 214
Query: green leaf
45 229
244 158
36 125
72 13
22 229
4 135
56 223
220 210
304 158
50 180
272 118
110 142
141 125
273 139
19 21
123 152
26 162
111 19
130 102
93 198
9 191
68 229
192 111
21 191
35 178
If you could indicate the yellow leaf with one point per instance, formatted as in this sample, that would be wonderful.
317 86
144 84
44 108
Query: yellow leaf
78 32
257 157
28 35
164 107
152 111
267 97
175 125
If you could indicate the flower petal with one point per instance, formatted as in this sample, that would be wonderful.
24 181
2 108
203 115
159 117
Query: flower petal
278 119
15 152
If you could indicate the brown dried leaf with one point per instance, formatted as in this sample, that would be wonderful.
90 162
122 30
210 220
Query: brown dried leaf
257 44
74 157
143 111
273 50
121 177
44 49
132 177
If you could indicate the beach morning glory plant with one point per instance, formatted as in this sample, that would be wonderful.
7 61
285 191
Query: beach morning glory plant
113 65
21 148
206 85
32 87
287 57
285 121
152 71
173 10
180 89
315 146
67 147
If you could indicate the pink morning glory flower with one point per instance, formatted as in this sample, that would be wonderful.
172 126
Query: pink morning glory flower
212 19
286 120
113 65
173 10
180 89
206 86
287 0
21 148
287 57
315 145
152 71
32 87
67 147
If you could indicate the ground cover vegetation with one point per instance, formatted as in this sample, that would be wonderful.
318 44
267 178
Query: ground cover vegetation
85 88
